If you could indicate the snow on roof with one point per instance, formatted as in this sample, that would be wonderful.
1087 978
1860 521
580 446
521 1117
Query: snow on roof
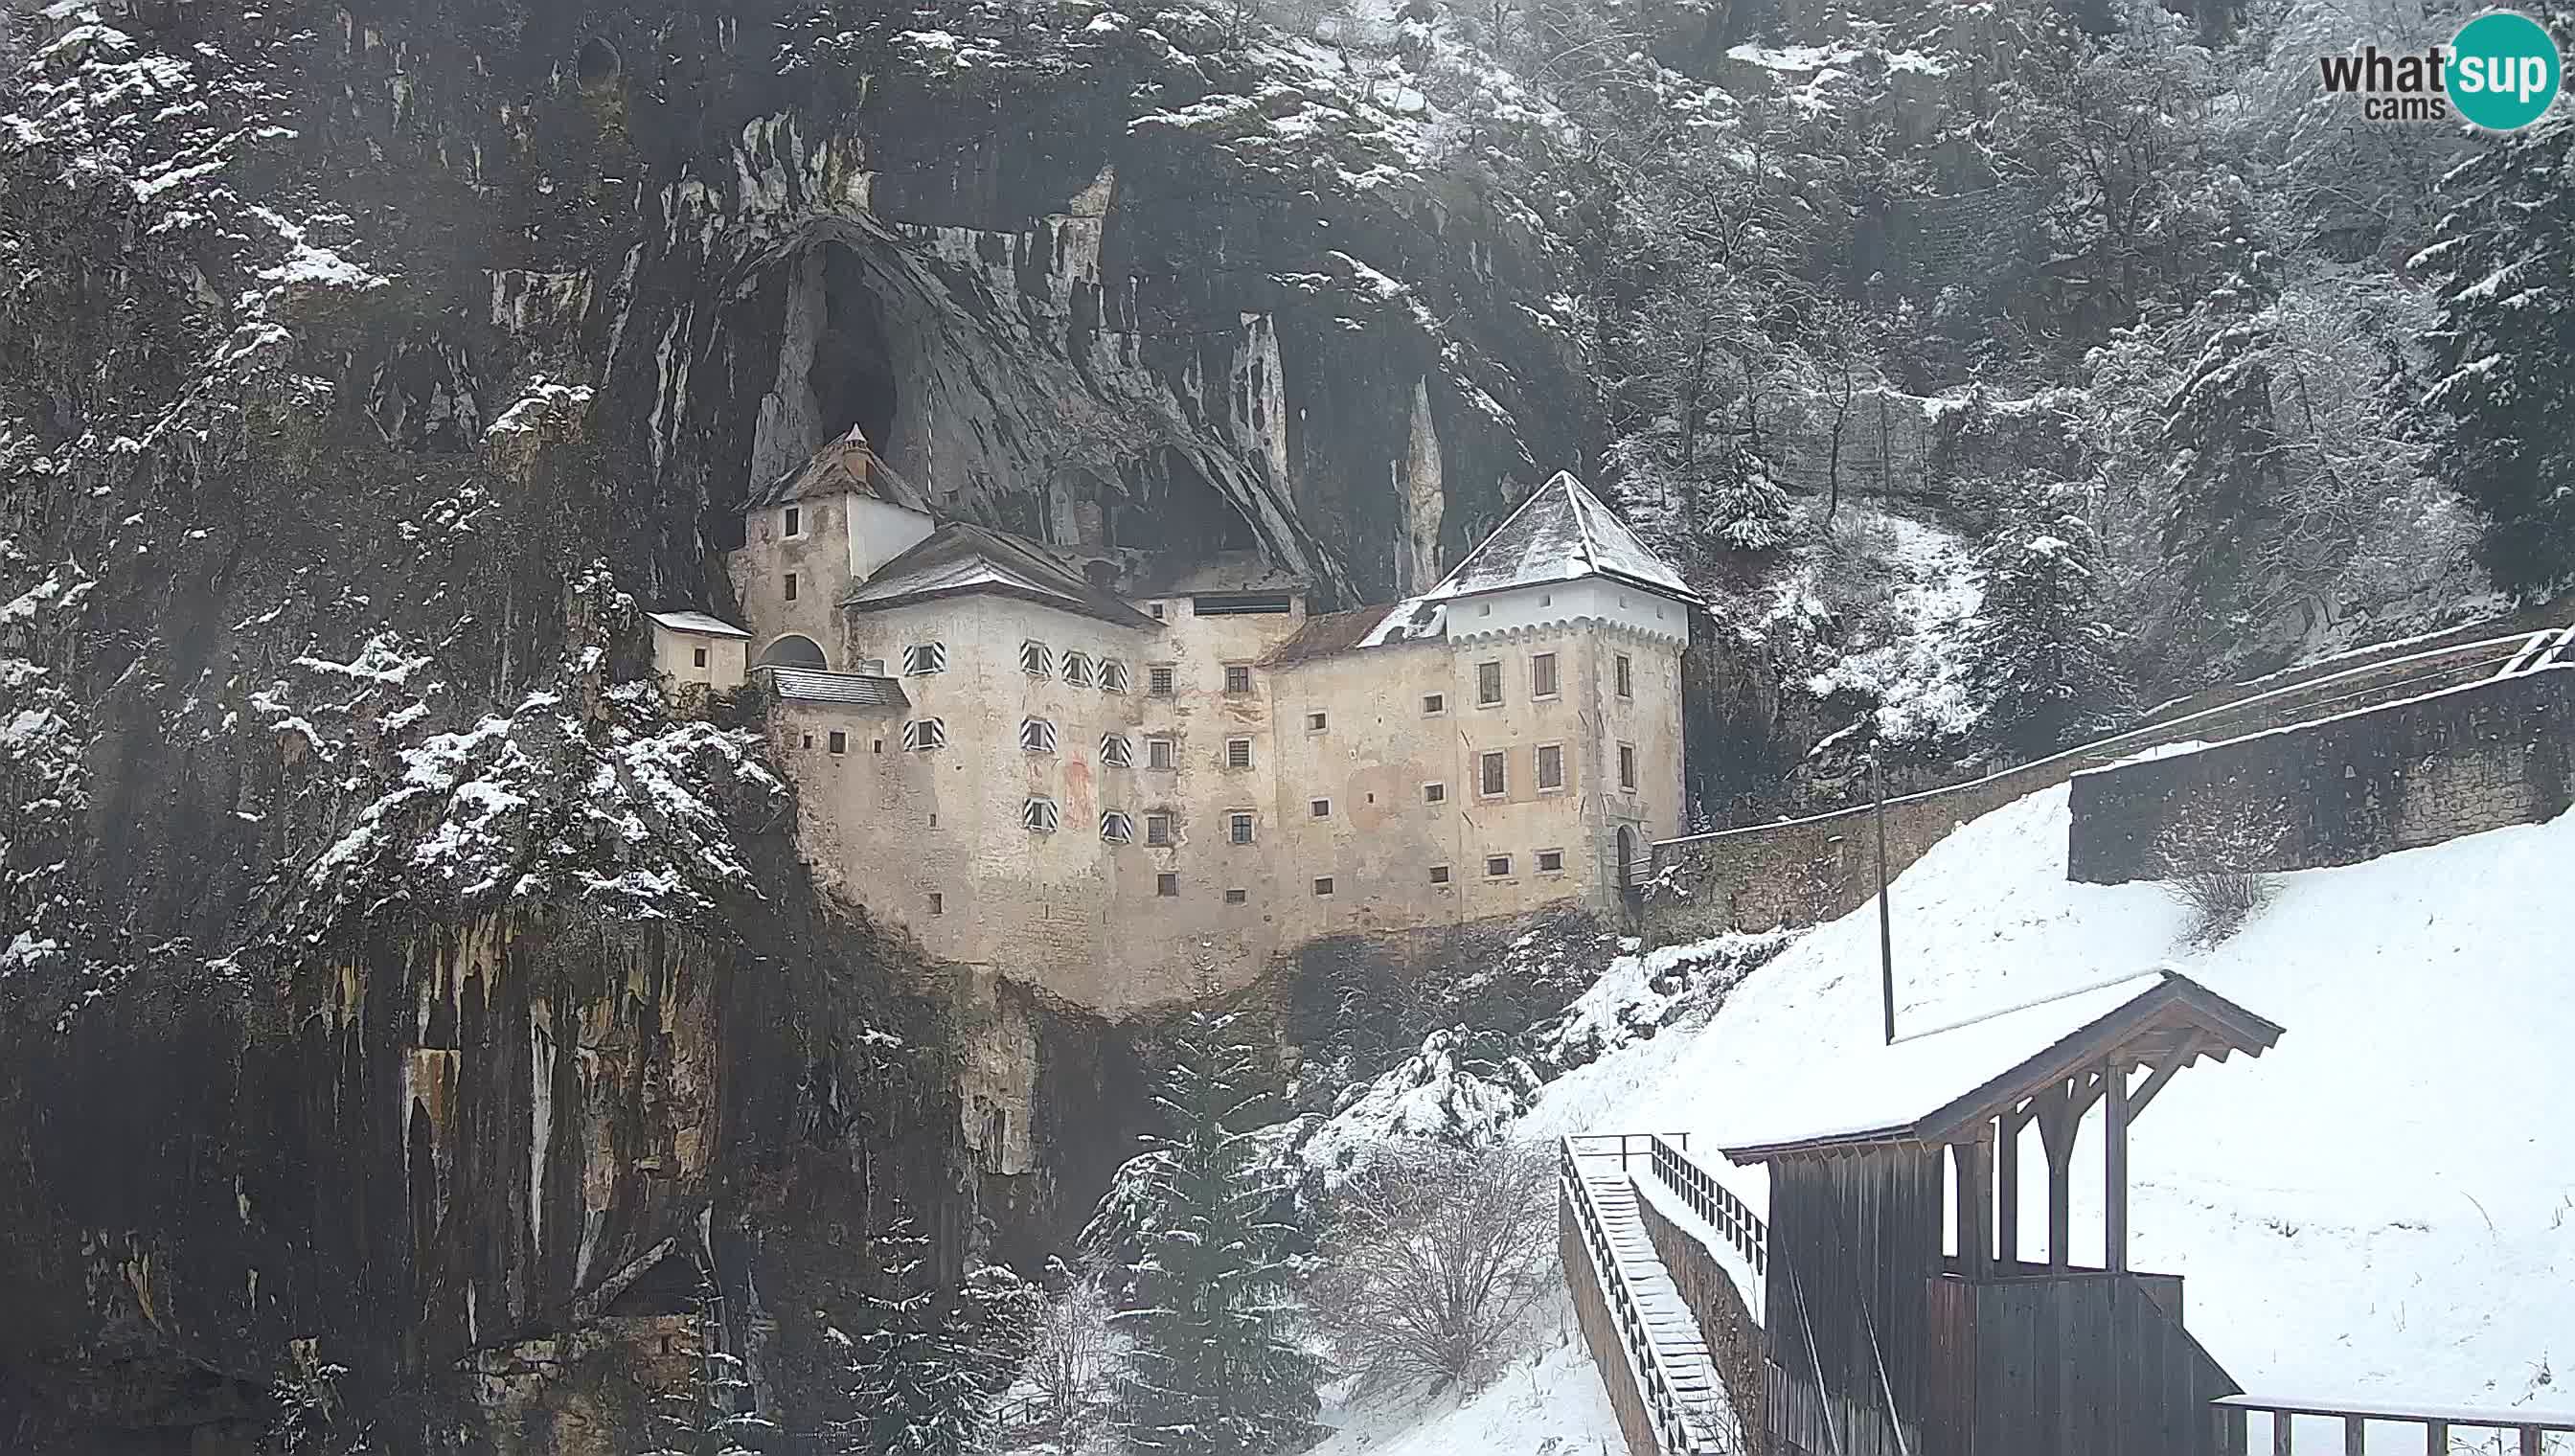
812 684
1560 534
1885 1094
845 466
959 558
697 622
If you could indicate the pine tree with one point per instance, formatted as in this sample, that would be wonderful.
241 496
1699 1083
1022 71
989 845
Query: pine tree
1743 508
713 1415
1216 1370
2504 354
2047 665
926 1373
2227 484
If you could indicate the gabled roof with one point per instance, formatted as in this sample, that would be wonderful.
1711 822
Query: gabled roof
960 560
696 623
1936 1086
812 684
1562 534
847 465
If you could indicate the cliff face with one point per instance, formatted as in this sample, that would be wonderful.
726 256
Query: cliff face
387 980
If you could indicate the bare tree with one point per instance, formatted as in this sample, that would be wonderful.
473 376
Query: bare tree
2213 857
1435 1256
1074 1365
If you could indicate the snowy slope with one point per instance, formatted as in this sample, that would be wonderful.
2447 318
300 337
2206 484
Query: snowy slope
2384 1204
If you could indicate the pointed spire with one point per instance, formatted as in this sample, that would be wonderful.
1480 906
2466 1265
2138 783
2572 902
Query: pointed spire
1560 534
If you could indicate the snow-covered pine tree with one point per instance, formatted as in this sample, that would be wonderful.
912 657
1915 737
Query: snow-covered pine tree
1216 1369
2048 661
712 1415
2504 354
926 1374
1742 507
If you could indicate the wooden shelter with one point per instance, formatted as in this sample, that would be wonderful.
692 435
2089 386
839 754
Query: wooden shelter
1880 1341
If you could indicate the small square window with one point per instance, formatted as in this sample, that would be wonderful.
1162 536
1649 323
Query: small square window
1488 684
1076 670
938 904
1117 828
1161 753
922 659
876 746
1237 896
791 585
1115 752
1157 829
1037 660
1497 867
1041 817
840 742
869 667
1237 753
1439 875
1036 736
1543 675
1494 773
1322 809
1112 675
1156 610
1551 861
1627 766
698 657
1323 886
922 734
1237 827
1160 678
1313 721
808 740
1626 673
1167 885
1550 767
1434 704
1435 794
1238 680
795 520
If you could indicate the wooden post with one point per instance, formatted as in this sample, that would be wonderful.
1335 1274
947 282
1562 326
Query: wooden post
2056 1126
2436 1438
2355 1436
1968 1161
2007 1190
2280 1423
2530 1441
2114 1169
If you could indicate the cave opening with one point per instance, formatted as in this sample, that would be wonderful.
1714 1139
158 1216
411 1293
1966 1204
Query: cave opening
598 66
851 374
1178 509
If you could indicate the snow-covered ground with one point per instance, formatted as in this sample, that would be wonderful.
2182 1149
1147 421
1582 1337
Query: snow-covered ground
2383 1205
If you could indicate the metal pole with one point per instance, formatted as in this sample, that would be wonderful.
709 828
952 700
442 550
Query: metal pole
1885 925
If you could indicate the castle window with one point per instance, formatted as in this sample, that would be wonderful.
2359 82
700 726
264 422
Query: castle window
1435 794
1488 684
1037 735
1497 867
1156 610
1158 680
840 742
1626 675
1167 885
795 520
1161 753
923 659
1116 827
1323 886
1039 814
1551 861
1157 829
1543 675
1313 721
1237 896
1550 768
1493 774
1076 670
1439 875
698 657
938 904
1037 659
869 667
1321 808
1115 752
1237 753
1238 827
1112 675
876 746
1238 679
1627 766
791 585
922 734
1434 704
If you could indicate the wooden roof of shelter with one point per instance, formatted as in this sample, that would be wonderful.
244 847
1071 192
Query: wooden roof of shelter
1940 1087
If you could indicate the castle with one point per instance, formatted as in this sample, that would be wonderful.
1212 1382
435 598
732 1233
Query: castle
1118 782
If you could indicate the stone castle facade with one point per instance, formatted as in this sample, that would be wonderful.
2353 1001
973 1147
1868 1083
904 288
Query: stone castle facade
1120 782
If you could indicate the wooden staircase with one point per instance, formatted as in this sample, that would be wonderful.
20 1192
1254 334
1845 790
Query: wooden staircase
1673 1380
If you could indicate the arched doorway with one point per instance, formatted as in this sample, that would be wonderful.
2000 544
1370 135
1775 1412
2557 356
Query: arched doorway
1627 858
791 650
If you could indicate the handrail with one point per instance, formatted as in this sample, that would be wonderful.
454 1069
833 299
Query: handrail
1714 1202
1675 1426
2356 1415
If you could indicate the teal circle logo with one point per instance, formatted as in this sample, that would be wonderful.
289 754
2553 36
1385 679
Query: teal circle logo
2503 70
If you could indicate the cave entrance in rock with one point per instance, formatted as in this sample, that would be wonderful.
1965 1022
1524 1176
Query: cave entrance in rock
853 373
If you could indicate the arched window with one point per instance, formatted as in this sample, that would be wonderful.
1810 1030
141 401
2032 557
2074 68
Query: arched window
792 651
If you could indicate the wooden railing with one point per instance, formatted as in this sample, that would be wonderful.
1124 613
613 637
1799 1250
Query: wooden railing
1676 1429
2435 1423
1712 1201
